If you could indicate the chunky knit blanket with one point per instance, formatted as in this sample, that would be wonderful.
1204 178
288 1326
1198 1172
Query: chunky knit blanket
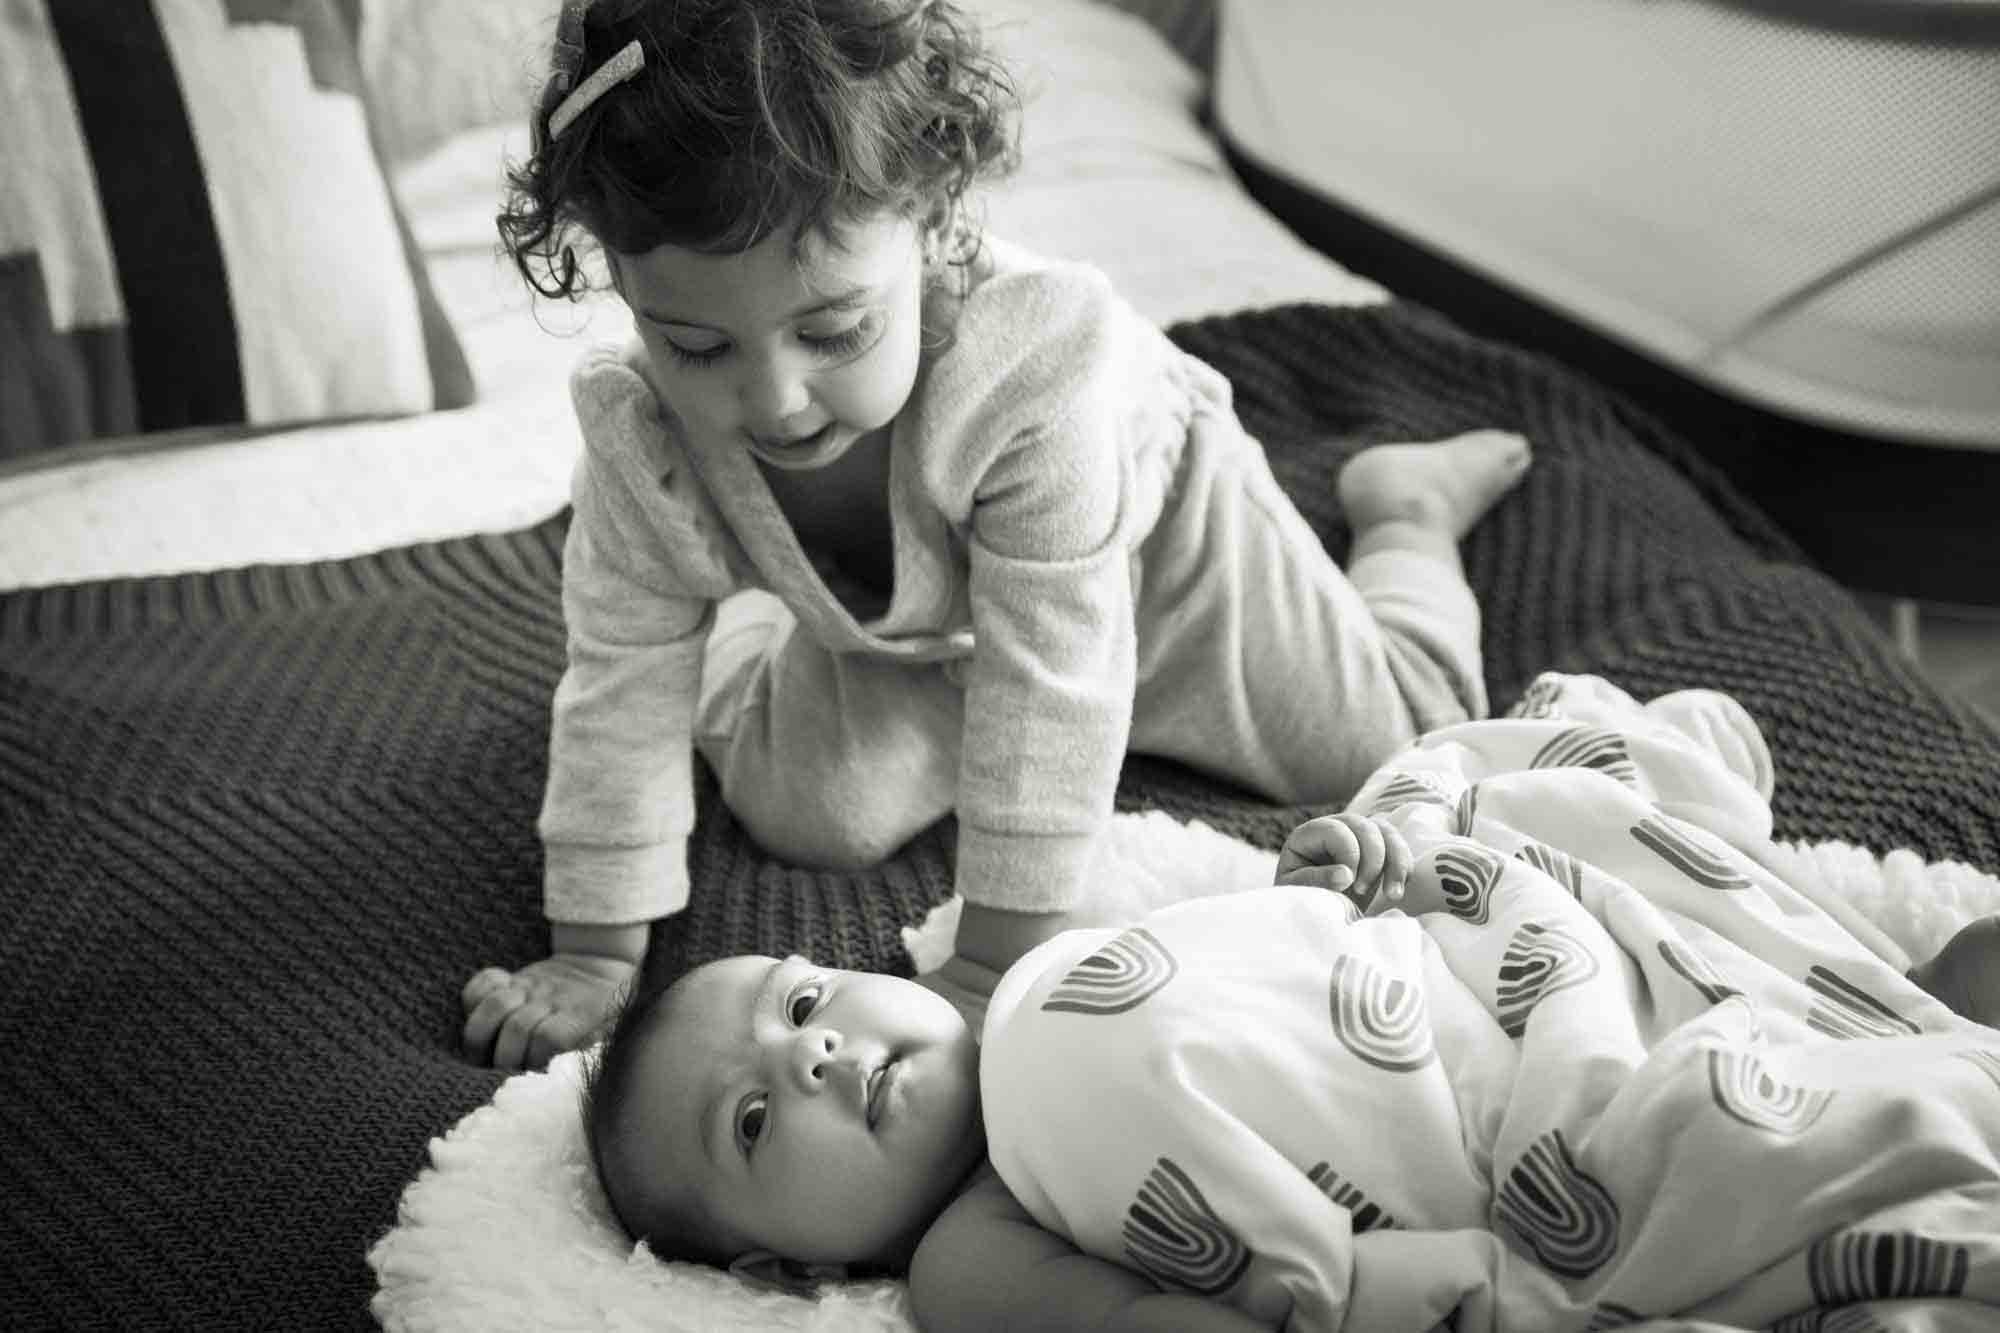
257 826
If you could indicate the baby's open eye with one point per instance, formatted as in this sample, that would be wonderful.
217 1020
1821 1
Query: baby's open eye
804 1000
750 1119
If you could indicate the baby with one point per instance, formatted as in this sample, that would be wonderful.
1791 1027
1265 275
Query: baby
1319 1102
793 1122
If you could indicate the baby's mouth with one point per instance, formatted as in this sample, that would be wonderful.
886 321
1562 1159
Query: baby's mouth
878 1091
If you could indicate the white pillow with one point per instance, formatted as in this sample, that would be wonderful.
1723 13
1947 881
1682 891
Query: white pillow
436 67
1118 170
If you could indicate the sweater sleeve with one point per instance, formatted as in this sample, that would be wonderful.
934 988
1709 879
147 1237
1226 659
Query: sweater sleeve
643 564
1049 689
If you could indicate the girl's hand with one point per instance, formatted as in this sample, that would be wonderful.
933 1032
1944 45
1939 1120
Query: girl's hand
524 1018
1357 855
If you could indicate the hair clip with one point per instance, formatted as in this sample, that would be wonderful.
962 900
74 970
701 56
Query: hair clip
569 46
630 59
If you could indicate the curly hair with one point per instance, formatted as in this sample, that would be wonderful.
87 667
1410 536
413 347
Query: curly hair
756 115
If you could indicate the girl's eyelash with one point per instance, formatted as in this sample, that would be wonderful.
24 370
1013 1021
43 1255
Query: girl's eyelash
706 356
845 343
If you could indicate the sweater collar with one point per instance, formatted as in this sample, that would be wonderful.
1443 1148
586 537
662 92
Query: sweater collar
919 597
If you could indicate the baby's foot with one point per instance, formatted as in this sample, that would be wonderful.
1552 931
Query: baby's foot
1446 486
1966 972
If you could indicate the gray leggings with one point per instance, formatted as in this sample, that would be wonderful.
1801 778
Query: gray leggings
1259 660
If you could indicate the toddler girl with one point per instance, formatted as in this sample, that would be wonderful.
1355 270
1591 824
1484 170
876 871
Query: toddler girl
890 520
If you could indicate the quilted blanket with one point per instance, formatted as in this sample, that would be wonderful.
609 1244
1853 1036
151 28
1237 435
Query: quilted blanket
1602 1064
257 825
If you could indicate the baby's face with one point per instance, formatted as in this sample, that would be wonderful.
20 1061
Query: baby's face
821 1115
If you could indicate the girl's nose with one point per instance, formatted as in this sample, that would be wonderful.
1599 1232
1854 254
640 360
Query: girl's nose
772 394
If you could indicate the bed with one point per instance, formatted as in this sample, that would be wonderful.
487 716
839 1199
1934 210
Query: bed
274 692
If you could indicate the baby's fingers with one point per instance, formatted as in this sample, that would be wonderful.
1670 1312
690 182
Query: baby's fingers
1396 861
1320 852
1368 843
1333 879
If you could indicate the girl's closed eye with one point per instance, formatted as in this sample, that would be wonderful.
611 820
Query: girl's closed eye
696 356
826 346
847 342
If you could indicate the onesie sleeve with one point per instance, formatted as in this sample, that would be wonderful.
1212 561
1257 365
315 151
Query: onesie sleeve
644 561
1048 705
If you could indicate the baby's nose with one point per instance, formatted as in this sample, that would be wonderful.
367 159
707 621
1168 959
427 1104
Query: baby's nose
815 1054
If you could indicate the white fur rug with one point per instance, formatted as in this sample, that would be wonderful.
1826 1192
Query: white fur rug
507 1228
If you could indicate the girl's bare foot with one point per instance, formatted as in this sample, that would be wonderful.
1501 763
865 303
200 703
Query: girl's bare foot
1444 486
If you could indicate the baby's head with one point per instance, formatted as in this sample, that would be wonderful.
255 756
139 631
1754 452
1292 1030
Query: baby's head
755 118
765 1106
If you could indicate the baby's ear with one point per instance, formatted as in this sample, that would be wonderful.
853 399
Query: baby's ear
770 1270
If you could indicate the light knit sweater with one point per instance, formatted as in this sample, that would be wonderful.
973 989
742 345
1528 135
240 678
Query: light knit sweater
1034 455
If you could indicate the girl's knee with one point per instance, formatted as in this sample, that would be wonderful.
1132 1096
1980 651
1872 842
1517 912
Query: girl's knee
836 825
832 764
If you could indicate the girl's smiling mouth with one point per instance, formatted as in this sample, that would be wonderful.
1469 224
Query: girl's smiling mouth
808 451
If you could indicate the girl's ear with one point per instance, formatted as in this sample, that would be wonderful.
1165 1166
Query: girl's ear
769 1270
934 227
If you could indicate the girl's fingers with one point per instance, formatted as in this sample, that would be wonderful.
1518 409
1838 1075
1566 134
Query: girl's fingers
510 1047
482 984
487 1019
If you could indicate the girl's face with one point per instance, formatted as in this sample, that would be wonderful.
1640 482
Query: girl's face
794 357
812 1113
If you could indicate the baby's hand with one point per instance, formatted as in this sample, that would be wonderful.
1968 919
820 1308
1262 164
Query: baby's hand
1358 855
524 1018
